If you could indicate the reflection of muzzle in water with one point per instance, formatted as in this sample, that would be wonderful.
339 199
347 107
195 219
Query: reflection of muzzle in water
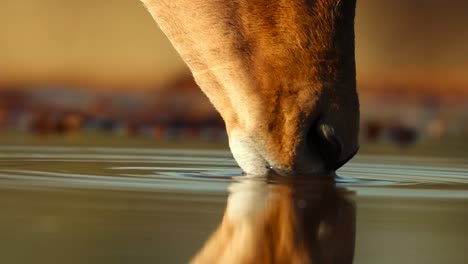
284 221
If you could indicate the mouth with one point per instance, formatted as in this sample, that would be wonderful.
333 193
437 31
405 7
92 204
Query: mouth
321 156
316 175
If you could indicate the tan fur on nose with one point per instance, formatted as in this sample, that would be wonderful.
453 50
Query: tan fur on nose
270 68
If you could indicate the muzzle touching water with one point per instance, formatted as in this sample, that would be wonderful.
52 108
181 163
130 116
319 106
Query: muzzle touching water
322 152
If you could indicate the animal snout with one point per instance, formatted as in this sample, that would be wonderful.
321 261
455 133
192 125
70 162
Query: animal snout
323 139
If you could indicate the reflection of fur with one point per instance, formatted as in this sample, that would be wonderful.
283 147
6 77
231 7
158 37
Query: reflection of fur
275 70
283 223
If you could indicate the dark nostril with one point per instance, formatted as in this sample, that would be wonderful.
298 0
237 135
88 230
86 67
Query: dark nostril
328 144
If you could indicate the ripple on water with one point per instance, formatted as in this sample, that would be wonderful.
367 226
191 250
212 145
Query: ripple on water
162 204
194 170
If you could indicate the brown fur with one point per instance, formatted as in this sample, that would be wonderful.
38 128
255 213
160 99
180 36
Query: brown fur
288 223
271 68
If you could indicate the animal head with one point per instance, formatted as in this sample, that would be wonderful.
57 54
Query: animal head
307 222
281 73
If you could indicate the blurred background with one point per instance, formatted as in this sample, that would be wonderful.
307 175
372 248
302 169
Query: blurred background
103 72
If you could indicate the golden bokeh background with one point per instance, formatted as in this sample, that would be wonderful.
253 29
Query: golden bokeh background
116 44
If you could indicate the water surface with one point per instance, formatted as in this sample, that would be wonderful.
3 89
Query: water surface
141 205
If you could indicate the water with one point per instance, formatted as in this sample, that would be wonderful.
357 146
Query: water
138 205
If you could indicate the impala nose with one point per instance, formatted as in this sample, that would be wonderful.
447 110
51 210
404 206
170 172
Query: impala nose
330 146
